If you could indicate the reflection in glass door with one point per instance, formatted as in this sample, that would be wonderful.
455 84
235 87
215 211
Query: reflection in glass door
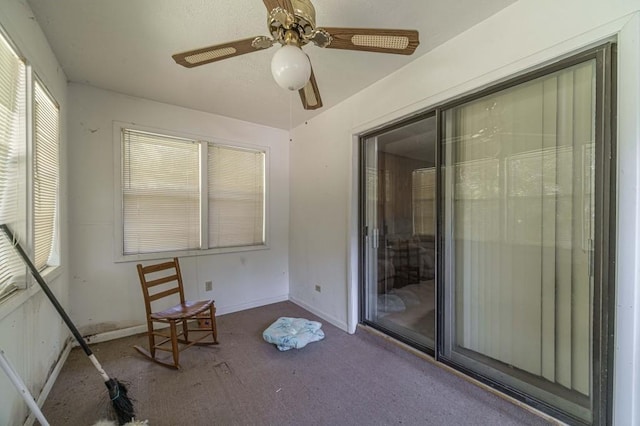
399 211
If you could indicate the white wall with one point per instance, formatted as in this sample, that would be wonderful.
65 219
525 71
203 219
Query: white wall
627 329
320 174
524 35
106 295
32 334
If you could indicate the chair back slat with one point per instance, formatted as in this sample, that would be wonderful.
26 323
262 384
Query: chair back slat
164 293
162 280
159 267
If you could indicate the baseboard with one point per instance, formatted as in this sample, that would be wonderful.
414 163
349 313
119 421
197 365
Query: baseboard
112 335
333 320
223 310
50 381
130 331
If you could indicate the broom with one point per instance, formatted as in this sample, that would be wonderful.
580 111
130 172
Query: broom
120 401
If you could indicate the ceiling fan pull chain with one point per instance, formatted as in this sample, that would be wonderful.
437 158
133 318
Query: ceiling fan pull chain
290 115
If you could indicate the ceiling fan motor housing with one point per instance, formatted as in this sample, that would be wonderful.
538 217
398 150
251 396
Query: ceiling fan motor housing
304 22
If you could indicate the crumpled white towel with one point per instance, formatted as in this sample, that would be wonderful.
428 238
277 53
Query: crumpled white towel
293 333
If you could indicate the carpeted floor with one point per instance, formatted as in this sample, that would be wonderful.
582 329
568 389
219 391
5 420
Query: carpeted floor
359 379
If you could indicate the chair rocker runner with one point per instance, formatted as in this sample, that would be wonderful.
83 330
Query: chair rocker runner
164 280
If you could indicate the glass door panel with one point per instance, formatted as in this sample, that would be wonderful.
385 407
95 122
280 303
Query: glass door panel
399 211
519 231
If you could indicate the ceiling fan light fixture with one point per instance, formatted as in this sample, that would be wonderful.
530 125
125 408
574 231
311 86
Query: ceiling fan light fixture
290 67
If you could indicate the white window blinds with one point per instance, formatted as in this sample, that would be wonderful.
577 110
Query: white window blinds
12 142
45 178
161 193
180 194
236 196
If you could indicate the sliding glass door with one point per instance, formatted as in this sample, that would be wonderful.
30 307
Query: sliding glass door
502 204
519 221
399 211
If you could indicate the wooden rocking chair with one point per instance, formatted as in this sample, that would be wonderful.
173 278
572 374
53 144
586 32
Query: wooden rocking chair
164 280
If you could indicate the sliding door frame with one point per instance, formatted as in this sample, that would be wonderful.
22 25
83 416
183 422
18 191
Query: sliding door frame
604 236
603 306
364 232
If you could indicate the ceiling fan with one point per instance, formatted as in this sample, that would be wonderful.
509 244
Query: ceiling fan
292 23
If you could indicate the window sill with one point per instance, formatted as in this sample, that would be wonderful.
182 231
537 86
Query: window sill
120 258
19 297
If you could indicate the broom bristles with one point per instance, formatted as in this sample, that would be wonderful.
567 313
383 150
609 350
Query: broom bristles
122 404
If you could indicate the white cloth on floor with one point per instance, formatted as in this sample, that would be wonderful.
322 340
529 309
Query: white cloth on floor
293 333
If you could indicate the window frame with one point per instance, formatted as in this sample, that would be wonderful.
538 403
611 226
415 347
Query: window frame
118 250
24 287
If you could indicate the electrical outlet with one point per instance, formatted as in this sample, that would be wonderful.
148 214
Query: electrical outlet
208 286
318 288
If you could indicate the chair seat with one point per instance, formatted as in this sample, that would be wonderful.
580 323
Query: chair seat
183 310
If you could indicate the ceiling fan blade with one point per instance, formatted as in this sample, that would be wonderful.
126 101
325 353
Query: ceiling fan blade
272 4
310 95
206 55
402 42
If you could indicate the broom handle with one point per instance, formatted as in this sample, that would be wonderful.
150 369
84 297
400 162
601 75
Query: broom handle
117 392
46 290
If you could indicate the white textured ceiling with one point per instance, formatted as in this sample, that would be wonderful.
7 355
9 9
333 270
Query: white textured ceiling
126 46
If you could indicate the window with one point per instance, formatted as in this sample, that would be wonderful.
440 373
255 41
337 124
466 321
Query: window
236 196
45 179
160 193
37 217
182 194
12 145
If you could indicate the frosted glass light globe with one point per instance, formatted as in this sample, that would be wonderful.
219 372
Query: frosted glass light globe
290 67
